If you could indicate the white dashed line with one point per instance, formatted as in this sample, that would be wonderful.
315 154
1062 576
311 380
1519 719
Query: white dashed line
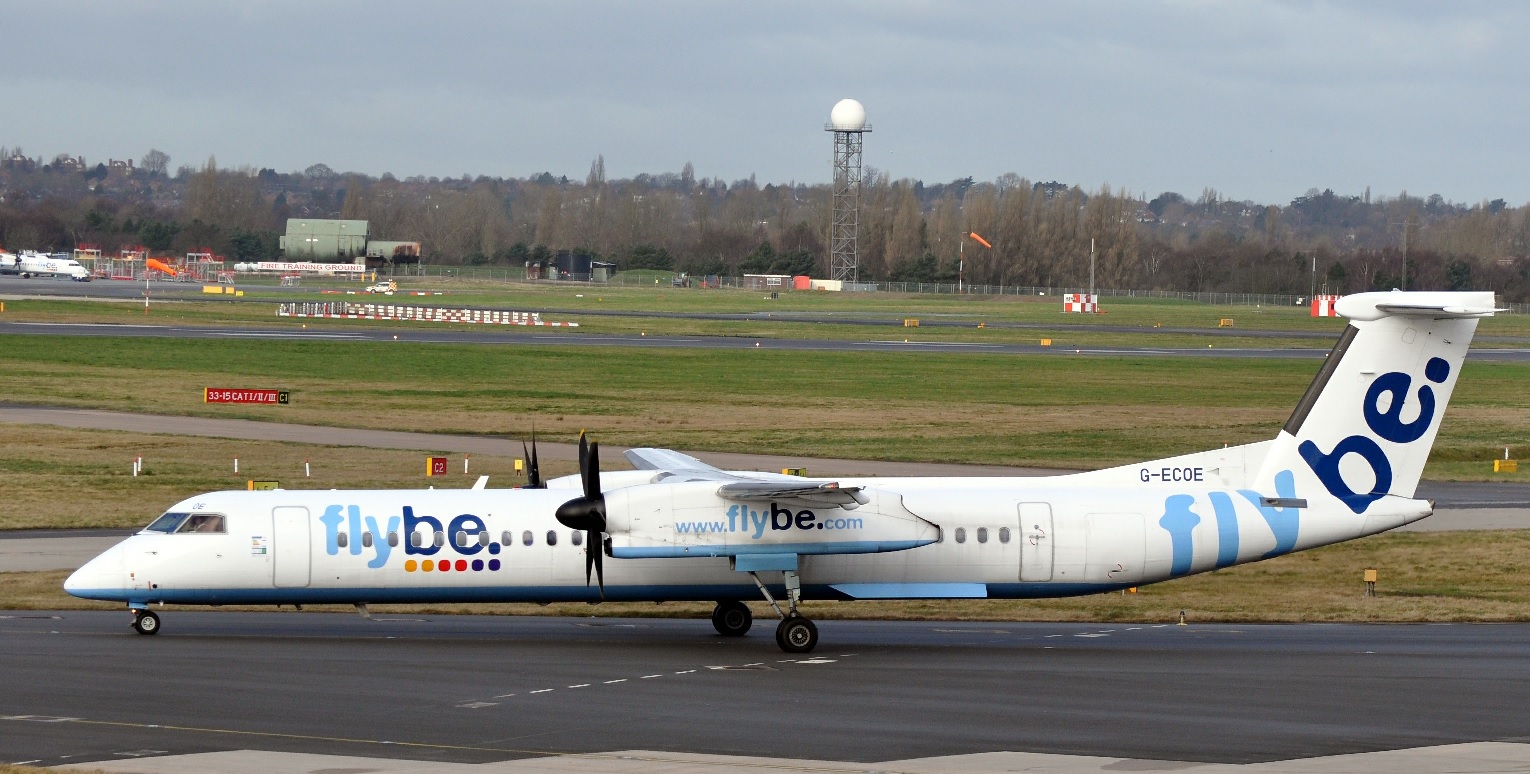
686 672
649 677
581 685
610 682
544 690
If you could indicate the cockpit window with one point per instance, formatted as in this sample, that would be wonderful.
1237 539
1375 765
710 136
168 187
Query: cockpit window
167 523
203 523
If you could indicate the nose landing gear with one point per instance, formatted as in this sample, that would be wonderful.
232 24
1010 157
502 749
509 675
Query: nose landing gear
145 621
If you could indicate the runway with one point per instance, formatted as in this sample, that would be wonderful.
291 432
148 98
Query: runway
80 687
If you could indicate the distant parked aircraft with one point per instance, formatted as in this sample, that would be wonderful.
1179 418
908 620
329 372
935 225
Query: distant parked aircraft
33 264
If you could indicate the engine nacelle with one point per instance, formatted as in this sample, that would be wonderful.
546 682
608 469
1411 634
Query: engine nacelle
691 519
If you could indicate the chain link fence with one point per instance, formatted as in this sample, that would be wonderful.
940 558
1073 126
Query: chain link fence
518 274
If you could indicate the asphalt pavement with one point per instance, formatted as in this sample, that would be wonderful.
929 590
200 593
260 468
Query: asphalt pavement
81 686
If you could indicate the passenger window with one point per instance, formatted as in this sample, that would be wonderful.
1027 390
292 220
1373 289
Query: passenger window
440 539
167 523
505 538
982 534
961 534
552 538
393 539
415 539
343 539
202 522
527 537
1004 534
366 540
577 538
483 538
461 538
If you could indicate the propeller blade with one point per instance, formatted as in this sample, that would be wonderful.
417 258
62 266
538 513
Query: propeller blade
534 472
592 484
594 548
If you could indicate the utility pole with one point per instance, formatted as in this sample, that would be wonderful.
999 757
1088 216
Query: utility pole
1091 269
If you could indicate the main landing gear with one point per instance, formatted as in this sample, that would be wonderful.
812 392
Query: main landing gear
145 621
732 618
795 634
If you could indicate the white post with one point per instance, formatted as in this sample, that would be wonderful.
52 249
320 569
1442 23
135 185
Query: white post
961 262
306 471
465 459
236 464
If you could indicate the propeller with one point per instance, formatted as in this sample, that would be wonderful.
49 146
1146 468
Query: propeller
588 512
533 473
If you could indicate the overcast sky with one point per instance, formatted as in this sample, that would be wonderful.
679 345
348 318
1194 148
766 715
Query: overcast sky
1259 100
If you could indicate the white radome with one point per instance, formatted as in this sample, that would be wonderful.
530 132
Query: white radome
848 116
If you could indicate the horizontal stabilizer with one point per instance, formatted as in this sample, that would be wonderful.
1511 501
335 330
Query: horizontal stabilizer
1430 305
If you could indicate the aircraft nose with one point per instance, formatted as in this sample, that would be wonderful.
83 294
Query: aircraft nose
103 574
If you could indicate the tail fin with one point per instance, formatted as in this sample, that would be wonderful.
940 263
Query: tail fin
1364 428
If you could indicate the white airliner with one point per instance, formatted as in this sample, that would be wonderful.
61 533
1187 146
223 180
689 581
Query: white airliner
1346 464
34 264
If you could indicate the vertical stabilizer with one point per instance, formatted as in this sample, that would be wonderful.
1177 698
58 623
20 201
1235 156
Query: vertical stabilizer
1364 428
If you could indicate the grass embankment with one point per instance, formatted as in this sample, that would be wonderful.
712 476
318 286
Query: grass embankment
1440 576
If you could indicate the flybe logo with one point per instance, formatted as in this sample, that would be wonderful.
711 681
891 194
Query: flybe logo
423 536
1387 424
743 519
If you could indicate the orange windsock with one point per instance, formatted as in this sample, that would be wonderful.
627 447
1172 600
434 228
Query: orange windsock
155 263
979 239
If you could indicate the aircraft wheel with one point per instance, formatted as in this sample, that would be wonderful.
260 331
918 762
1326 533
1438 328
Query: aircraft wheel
732 618
146 622
796 634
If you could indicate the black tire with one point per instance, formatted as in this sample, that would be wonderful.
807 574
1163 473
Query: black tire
732 618
146 622
796 634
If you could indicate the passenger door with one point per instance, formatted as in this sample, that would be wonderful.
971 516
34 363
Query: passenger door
291 552
1035 542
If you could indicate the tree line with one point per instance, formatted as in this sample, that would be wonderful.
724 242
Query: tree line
1032 233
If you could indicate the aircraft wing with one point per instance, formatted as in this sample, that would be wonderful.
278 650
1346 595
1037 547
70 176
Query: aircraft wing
665 459
676 467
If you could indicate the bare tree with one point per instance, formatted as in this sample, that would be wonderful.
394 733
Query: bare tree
155 162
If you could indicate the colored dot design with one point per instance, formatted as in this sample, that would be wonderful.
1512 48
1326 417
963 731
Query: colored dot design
447 565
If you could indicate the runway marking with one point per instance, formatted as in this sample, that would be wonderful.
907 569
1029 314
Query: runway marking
649 677
581 685
1092 634
819 661
504 696
686 672
38 718
478 704
544 690
618 680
